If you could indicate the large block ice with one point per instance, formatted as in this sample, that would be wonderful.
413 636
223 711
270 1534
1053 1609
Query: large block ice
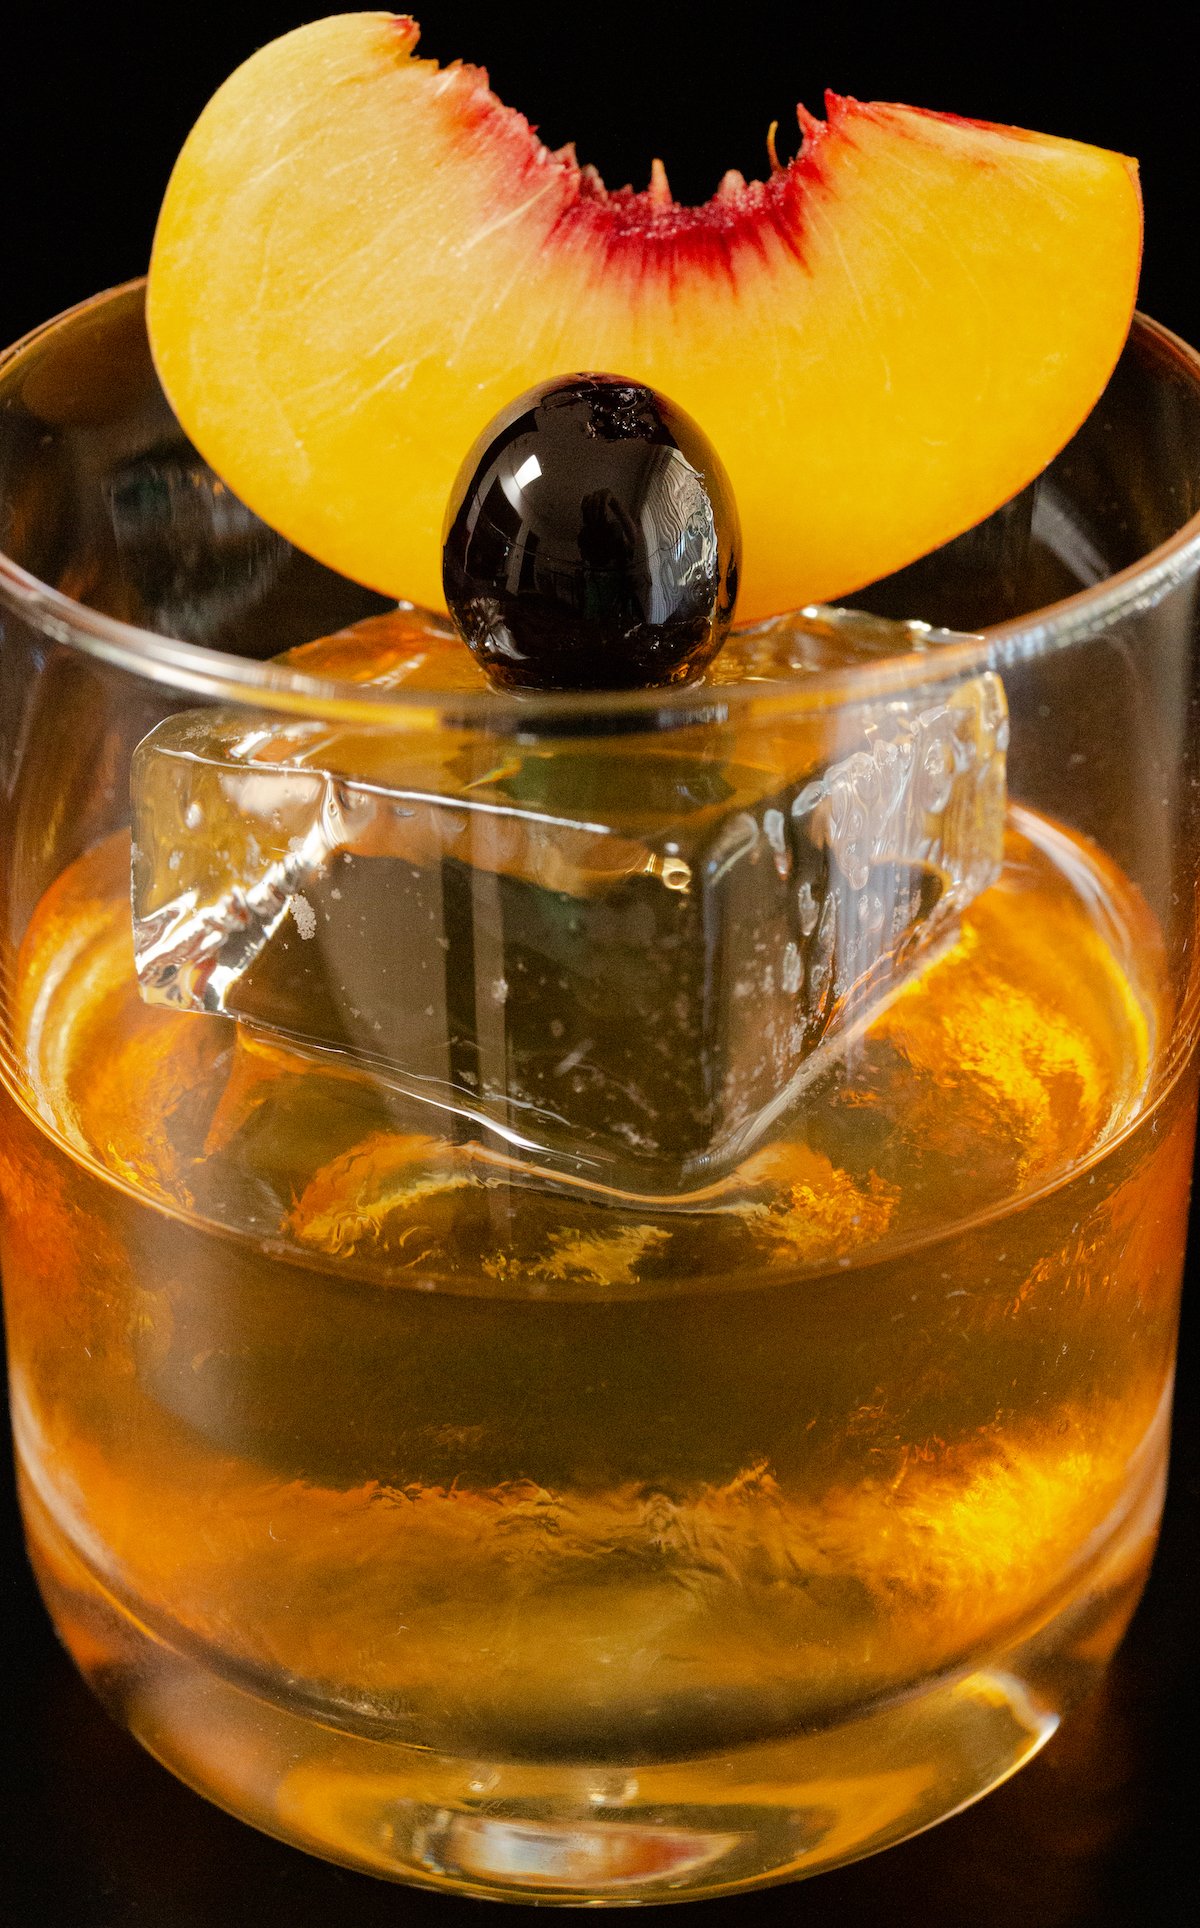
625 954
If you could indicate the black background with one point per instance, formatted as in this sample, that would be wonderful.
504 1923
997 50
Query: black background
94 103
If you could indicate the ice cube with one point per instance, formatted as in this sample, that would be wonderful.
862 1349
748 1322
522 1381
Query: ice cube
622 954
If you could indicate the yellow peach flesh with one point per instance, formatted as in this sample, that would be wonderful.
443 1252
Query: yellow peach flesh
362 257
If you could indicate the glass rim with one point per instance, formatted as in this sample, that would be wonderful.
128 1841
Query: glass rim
217 676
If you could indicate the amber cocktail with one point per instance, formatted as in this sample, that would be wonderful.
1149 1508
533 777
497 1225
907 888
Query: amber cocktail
629 1510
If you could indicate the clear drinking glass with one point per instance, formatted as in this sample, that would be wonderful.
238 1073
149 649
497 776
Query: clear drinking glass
610 1339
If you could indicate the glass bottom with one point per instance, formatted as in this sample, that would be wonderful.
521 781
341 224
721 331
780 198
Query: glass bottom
607 1834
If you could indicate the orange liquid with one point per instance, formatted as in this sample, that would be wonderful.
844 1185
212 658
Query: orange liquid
346 1448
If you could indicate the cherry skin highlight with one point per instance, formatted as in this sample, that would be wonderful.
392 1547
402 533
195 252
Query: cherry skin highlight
591 541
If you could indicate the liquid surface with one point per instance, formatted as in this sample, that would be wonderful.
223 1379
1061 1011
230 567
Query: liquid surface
388 1430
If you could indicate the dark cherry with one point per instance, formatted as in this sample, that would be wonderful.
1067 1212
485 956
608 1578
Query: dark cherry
591 541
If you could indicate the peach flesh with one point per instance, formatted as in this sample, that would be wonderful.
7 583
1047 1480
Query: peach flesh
362 257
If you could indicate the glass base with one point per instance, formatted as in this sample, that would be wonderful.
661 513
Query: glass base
601 1834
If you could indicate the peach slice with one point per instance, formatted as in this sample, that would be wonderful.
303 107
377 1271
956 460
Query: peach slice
361 257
